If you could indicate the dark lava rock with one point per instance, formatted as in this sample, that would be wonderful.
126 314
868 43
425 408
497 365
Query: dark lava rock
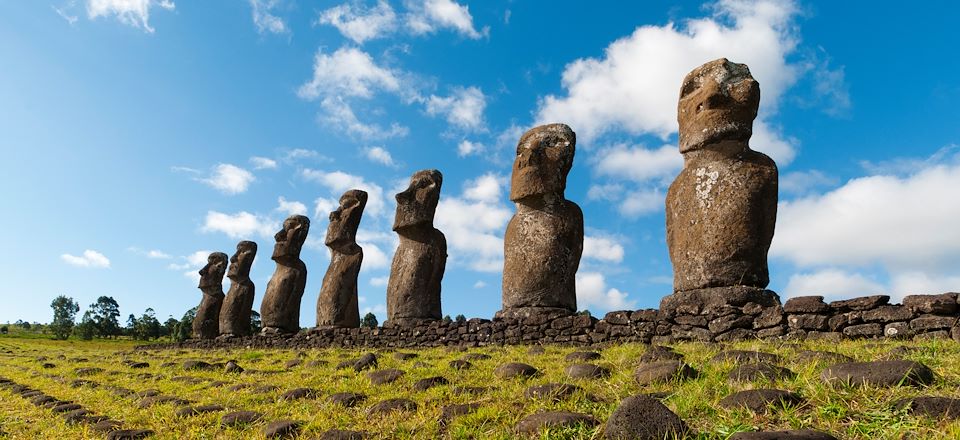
88 371
232 367
282 428
643 418
40 400
582 356
759 371
139 365
292 363
76 415
66 407
552 391
384 376
470 390
945 304
404 356
197 365
48 365
147 402
806 304
240 418
533 423
300 393
515 369
365 362
883 373
317 363
129 434
197 410
862 303
586 371
657 353
933 407
535 350
340 434
460 364
808 356
451 412
106 426
742 356
801 434
148 393
430 382
348 400
759 400
663 371
391 405
476 357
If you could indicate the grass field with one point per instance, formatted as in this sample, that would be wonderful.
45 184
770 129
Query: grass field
846 412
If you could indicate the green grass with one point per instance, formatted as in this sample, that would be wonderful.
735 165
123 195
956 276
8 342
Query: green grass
847 412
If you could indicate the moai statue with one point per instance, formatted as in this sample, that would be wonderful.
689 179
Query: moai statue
544 239
413 292
280 309
722 208
235 314
337 305
205 324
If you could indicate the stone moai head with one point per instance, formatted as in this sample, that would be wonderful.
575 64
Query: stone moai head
417 204
346 219
544 157
212 274
290 239
718 102
242 260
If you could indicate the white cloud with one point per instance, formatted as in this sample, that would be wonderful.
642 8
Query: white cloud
229 179
802 182
641 202
134 13
592 293
467 148
486 188
474 224
479 285
426 16
379 281
264 19
291 207
340 116
462 109
242 225
324 206
157 254
338 182
350 72
65 14
917 282
361 24
89 258
602 248
833 284
639 164
373 257
379 155
263 163
634 87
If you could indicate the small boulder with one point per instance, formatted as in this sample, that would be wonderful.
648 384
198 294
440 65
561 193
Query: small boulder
801 434
282 428
240 418
450 412
430 382
551 391
657 353
347 400
586 371
533 423
300 393
882 373
582 356
515 369
759 371
759 400
129 434
932 407
663 371
743 356
461 364
197 410
365 362
341 434
384 376
392 405
400 356
197 365
643 418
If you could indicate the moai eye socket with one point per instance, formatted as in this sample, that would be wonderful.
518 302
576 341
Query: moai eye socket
689 87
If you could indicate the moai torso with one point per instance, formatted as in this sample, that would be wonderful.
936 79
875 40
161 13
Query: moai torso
721 210
237 306
280 309
413 291
338 304
544 239
206 323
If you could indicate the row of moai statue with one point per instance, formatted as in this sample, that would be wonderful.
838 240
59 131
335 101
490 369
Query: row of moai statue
720 216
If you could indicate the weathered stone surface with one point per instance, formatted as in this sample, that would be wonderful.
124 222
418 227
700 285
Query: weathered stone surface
643 418
300 393
883 373
663 371
660 353
206 325
385 376
863 330
897 330
450 412
581 356
551 391
342 434
534 423
721 209
429 382
280 309
929 406
716 301
943 304
800 434
759 371
413 290
401 356
743 356
129 434
367 361
392 405
808 356
586 371
887 313
232 367
808 322
515 369
759 400
461 364
861 303
235 312
282 428
806 304
927 323
544 239
348 400
197 365
240 418
197 410
338 304
729 322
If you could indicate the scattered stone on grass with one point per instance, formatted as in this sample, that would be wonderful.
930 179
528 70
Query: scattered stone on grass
536 350
76 415
759 371
240 418
66 407
461 364
476 357
657 353
761 399
642 418
147 402
430 382
197 410
534 423
106 426
401 356
341 434
882 373
129 434
348 400
470 390
930 406
663 371
515 369
586 371
392 405
808 356
743 356
450 412
232 367
292 363
582 356
552 391
802 434
365 362
282 428
300 393
386 376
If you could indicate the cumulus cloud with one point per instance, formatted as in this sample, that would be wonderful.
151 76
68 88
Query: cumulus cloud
427 16
833 284
291 207
134 13
338 182
155 254
593 294
263 163
467 148
633 88
463 108
359 23
379 155
474 223
803 182
486 188
373 256
637 163
242 225
379 281
339 115
229 179
350 72
90 258
641 202
264 19
602 248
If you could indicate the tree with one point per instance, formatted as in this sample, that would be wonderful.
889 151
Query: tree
169 326
23 324
369 320
64 313
145 327
87 327
184 329
460 319
131 324
105 313
255 323
4 330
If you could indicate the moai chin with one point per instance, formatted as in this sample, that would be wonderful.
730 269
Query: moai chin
413 291
280 309
722 208
206 323
338 304
235 313
544 239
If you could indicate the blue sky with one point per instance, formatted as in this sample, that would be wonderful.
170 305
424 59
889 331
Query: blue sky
139 135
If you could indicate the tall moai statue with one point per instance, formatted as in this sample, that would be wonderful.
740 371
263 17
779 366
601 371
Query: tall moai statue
280 309
722 208
544 239
235 313
206 323
338 304
413 291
